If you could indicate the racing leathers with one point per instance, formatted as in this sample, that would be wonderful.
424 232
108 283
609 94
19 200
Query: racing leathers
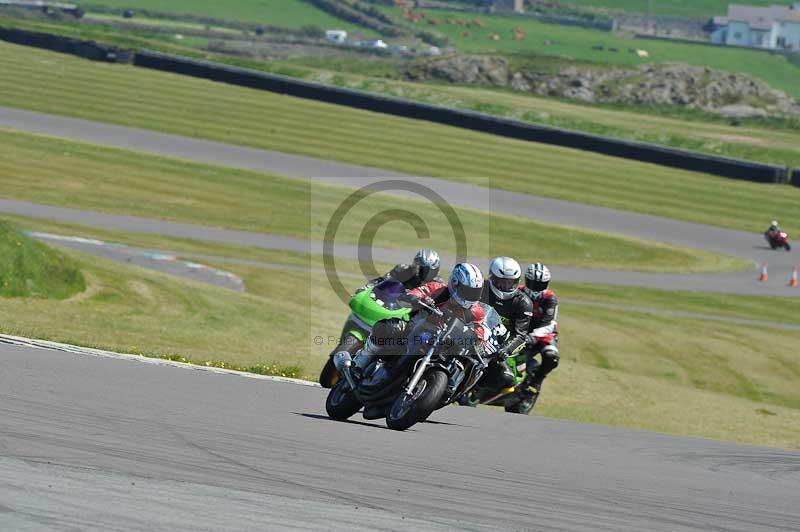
543 333
408 274
389 336
516 313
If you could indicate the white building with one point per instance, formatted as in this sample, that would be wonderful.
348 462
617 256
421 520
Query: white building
775 27
337 36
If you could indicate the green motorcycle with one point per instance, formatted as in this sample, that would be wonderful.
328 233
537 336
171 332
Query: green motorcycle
368 306
520 363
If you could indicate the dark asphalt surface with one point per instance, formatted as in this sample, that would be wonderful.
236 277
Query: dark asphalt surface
125 446
735 243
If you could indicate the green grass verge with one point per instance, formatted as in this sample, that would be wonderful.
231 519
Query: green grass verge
780 310
57 84
576 43
61 172
293 14
769 140
31 269
626 368
677 8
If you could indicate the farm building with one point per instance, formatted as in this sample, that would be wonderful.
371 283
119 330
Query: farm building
775 27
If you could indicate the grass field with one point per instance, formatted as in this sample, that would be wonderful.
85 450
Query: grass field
280 13
576 43
678 8
60 172
772 141
31 269
57 84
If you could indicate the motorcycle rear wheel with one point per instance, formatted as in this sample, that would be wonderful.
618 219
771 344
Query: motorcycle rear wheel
408 410
341 402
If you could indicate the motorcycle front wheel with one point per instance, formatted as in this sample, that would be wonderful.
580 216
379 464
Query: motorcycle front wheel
341 402
409 409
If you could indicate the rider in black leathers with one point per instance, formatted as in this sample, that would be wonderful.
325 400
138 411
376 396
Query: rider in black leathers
502 293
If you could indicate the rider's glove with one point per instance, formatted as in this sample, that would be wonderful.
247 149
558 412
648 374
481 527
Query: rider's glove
417 304
502 354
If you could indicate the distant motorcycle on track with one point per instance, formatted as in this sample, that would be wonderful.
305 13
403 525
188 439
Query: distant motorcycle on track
778 240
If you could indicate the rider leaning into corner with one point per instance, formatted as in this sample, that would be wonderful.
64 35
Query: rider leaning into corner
423 269
543 333
460 296
773 229
504 295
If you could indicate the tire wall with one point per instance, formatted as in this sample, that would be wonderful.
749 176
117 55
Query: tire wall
675 158
57 43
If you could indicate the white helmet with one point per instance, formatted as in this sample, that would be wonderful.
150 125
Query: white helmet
504 274
537 277
465 284
774 223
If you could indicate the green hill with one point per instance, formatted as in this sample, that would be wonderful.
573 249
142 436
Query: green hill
31 269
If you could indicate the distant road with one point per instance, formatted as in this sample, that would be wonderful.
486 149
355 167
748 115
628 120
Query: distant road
736 243
97 444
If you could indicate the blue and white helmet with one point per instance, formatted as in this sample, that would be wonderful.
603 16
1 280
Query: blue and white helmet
465 284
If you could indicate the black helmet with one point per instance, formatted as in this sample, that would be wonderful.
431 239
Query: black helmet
537 277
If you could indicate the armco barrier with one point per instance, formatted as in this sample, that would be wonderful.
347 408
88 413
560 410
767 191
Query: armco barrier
795 177
687 160
57 43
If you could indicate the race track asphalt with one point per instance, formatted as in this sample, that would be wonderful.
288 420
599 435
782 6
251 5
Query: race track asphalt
90 444
735 243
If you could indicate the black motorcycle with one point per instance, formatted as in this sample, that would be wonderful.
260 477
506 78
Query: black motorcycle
441 360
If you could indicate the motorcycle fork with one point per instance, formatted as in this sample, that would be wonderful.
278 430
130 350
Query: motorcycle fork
422 366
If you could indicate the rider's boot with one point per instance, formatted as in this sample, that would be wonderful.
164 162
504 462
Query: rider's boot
529 395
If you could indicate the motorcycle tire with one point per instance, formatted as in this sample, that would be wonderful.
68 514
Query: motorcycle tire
341 402
329 374
788 247
515 406
407 410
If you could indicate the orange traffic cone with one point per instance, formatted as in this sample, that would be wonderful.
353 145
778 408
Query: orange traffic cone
793 280
763 277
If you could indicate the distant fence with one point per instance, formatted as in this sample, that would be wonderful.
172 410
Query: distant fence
650 153
687 160
68 45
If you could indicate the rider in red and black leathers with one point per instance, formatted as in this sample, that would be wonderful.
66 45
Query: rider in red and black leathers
439 295
543 335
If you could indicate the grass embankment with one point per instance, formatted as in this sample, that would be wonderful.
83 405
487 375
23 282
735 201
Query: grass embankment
621 367
30 269
60 172
293 14
767 140
57 84
583 44
777 310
